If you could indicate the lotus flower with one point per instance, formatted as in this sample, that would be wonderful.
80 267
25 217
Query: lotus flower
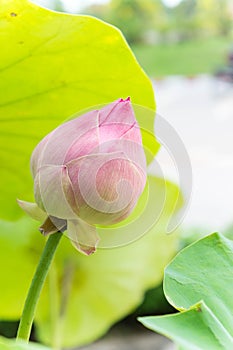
90 170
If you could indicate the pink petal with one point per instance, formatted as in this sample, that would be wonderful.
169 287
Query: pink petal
132 151
106 186
53 149
120 111
37 155
83 145
53 192
117 120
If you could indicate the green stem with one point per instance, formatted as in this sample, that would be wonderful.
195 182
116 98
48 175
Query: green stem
37 283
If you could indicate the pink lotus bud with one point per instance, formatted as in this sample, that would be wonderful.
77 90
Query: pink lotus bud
90 170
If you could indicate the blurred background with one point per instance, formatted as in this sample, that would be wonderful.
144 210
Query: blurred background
186 48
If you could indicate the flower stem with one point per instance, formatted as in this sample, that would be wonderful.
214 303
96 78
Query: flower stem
37 283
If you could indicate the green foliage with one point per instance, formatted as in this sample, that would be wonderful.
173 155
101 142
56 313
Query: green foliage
84 295
198 282
54 65
7 344
214 17
133 17
182 22
8 329
142 20
154 303
189 58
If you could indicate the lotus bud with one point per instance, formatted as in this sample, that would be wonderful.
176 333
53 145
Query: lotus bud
89 171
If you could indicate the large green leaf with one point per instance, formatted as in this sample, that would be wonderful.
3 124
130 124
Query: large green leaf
10 344
53 65
199 283
19 260
84 295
